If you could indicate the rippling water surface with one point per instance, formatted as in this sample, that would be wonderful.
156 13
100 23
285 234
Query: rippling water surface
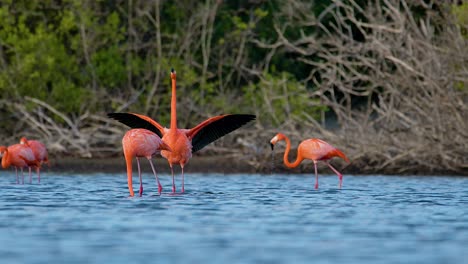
235 219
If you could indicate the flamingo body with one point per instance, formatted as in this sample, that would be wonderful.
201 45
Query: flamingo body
183 142
18 156
139 143
39 149
312 149
316 149
40 153
178 140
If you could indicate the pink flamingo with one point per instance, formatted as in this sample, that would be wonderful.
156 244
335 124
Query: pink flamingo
184 142
18 156
141 143
313 149
40 153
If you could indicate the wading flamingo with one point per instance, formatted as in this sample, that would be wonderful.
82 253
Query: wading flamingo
184 142
18 156
141 143
40 153
313 149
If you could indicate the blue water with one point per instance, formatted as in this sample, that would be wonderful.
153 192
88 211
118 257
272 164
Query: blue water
235 219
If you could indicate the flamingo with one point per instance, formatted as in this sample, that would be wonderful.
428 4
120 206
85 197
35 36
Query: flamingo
141 143
313 149
18 156
184 142
40 153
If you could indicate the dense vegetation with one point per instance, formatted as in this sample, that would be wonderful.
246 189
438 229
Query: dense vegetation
385 80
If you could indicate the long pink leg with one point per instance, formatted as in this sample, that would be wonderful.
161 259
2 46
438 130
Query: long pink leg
38 175
316 175
183 188
30 176
173 181
139 175
22 175
17 178
340 176
155 175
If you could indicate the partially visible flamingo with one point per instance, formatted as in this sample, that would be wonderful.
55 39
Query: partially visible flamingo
40 153
18 156
313 149
184 142
141 143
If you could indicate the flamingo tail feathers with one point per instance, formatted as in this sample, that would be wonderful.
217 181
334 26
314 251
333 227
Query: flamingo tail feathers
339 153
164 146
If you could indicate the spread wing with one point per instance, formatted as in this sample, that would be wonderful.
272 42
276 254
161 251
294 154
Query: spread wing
138 121
216 127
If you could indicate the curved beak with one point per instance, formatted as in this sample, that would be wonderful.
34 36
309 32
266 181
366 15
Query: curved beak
272 146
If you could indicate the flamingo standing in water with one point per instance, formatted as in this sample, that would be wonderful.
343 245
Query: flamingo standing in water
141 143
18 156
184 142
313 149
40 153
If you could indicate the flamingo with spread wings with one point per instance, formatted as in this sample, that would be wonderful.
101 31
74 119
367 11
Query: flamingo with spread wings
184 142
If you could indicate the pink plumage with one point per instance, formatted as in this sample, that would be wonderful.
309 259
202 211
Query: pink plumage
40 153
140 143
312 149
18 156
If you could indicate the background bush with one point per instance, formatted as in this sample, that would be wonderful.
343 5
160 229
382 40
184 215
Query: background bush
384 79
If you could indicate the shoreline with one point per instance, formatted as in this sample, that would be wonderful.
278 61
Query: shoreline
208 164
203 164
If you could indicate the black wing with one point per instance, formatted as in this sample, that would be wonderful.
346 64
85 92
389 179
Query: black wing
137 121
218 128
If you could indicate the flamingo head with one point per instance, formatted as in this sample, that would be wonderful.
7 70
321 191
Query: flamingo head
275 139
173 74
23 141
3 149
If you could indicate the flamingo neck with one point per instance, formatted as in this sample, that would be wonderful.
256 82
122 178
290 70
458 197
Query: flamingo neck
286 154
128 161
173 106
6 160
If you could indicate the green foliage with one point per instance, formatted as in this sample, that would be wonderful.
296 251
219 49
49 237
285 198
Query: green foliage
39 65
62 58
461 15
99 55
280 97
109 65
